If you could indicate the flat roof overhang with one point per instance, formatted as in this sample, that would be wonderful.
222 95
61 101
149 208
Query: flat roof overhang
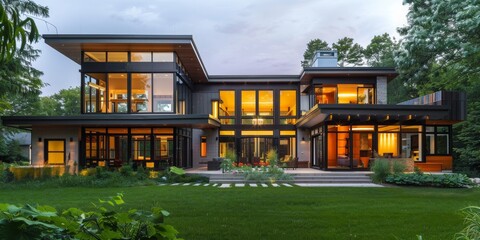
114 120
72 45
374 114
309 73
254 79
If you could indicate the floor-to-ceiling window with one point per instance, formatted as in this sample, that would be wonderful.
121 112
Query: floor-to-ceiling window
147 147
226 107
288 107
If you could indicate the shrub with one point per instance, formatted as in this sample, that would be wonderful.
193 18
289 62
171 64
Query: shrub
442 180
472 222
107 221
272 157
226 165
381 170
126 170
398 167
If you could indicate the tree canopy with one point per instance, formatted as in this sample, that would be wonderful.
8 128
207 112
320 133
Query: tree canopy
440 49
15 29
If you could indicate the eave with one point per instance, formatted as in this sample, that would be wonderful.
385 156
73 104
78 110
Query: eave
114 120
72 45
373 114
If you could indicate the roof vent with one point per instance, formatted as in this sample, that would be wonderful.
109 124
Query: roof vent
325 58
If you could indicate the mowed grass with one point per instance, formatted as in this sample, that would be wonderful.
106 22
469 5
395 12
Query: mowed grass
282 213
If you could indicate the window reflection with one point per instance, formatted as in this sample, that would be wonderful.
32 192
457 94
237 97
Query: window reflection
94 56
141 92
163 92
163 57
227 103
94 90
141 56
117 91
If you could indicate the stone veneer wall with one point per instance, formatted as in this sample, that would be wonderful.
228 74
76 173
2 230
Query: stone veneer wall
381 90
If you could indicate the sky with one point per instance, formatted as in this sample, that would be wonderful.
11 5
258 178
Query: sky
233 37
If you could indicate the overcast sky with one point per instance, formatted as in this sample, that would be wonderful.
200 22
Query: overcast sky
233 37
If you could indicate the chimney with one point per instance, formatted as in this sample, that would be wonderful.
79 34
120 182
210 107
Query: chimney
325 58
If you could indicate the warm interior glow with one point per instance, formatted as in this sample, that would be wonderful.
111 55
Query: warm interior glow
248 103
388 143
227 103
215 109
257 133
288 100
287 133
362 128
56 152
117 57
227 133
203 146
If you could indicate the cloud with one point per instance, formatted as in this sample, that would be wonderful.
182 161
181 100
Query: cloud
137 14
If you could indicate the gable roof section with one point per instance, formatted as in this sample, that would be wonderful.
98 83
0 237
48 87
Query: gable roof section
72 45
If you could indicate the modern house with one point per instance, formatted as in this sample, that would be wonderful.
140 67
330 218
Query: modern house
148 99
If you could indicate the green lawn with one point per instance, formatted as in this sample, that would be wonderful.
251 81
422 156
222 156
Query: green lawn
283 213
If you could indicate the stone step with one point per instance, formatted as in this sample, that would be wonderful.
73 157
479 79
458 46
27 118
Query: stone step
334 181
323 176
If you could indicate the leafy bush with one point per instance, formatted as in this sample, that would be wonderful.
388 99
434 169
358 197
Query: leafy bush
126 170
272 157
226 165
107 221
381 170
6 175
262 174
442 180
472 222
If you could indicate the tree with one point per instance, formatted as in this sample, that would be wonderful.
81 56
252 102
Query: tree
14 29
68 101
349 53
313 46
440 50
64 103
380 51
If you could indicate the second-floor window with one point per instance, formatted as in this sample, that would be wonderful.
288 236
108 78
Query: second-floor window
344 94
110 93
257 107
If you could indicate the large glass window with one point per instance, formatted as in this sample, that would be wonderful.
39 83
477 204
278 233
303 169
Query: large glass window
163 57
163 92
288 106
257 111
95 92
249 102
117 91
411 142
345 94
117 57
227 103
265 103
141 56
141 92
326 95
94 56
438 140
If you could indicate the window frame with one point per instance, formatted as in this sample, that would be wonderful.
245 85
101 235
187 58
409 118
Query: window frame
46 151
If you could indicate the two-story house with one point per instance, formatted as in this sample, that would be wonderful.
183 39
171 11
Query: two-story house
148 100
